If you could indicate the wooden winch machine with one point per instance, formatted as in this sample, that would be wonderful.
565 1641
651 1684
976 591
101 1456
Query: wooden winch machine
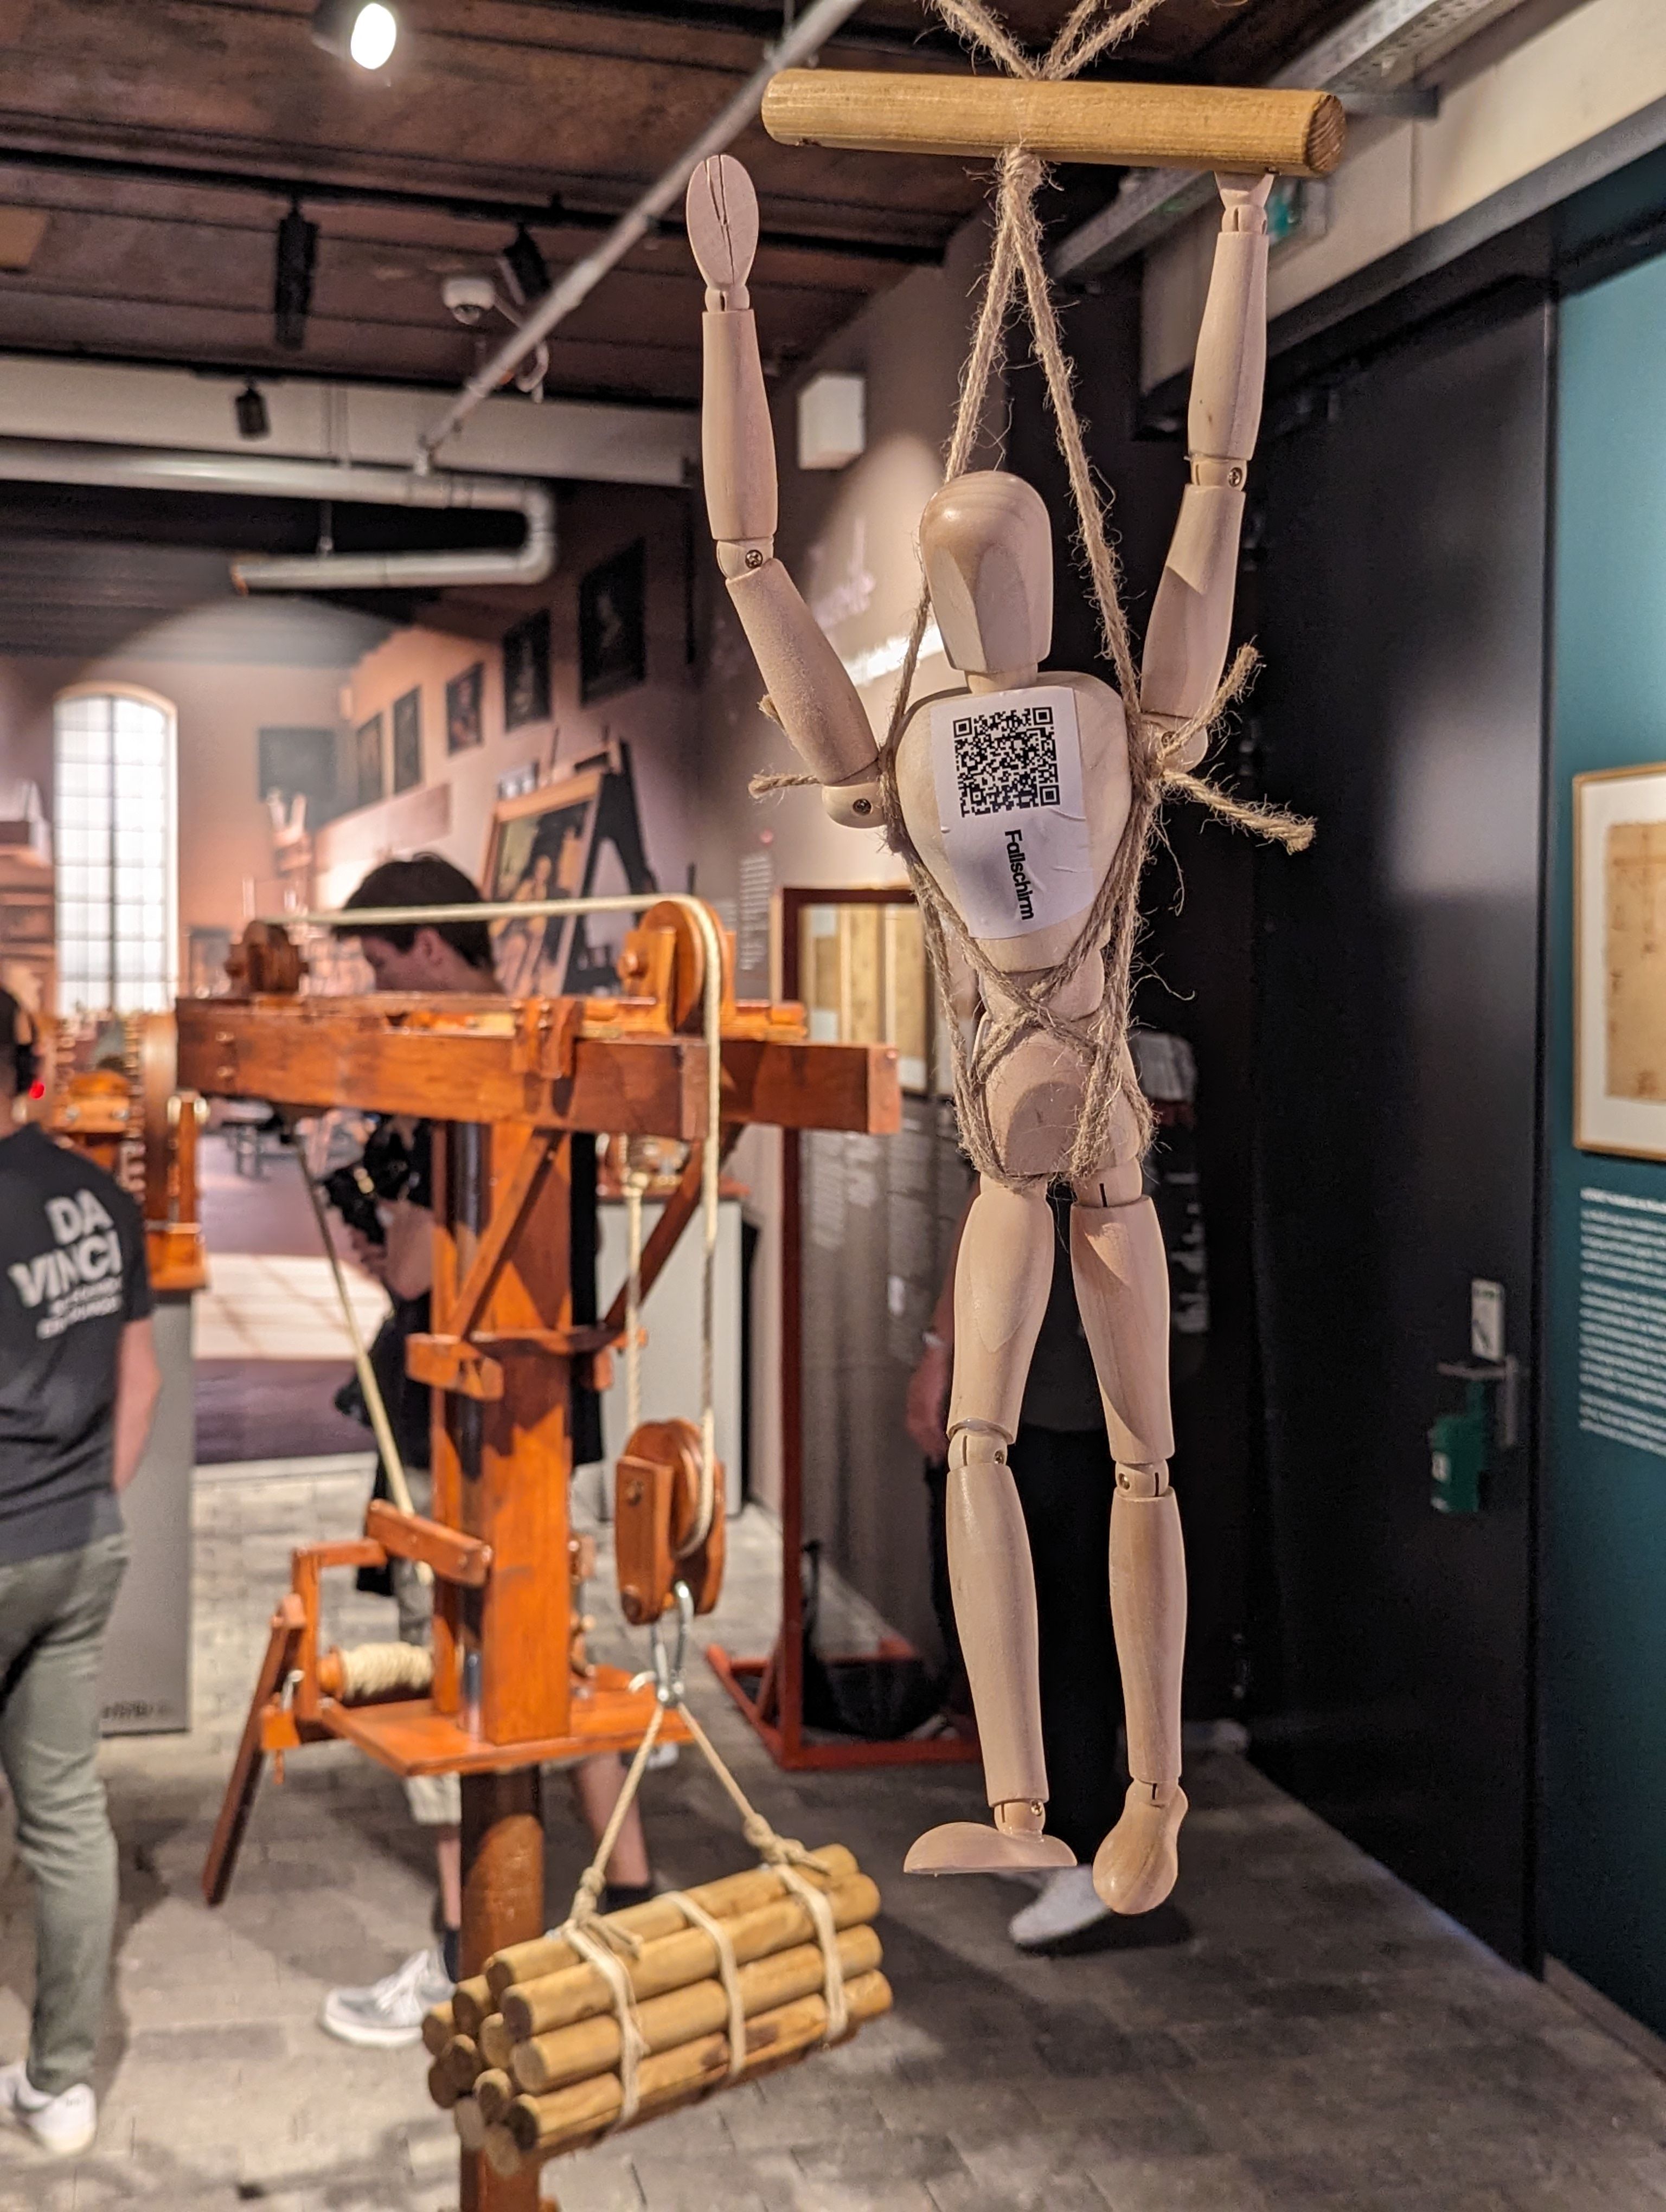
139 1126
508 1084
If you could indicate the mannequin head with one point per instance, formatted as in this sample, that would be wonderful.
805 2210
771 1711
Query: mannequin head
988 546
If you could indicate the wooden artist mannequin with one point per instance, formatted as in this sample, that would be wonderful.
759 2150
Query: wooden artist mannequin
986 543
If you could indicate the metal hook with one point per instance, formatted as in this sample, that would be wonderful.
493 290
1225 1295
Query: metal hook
668 1670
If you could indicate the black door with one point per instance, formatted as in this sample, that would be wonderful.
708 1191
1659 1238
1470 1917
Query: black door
1401 617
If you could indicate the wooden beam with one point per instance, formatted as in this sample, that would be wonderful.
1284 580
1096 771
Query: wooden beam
313 1053
288 1624
508 1212
453 1556
812 1086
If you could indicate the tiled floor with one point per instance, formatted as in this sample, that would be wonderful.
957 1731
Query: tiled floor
1321 2037
261 1305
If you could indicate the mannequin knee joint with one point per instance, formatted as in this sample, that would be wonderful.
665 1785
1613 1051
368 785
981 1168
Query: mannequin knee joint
977 1443
1151 1481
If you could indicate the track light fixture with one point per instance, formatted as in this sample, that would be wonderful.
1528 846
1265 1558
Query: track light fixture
250 407
526 272
292 287
361 31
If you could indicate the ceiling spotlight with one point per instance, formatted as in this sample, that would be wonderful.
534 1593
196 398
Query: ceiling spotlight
356 31
250 408
524 270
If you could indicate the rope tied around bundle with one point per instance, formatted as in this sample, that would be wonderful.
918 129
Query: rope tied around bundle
1014 1009
591 1936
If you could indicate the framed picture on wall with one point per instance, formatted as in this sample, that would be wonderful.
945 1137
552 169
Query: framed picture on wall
613 625
408 741
526 671
465 700
367 762
1619 962
301 763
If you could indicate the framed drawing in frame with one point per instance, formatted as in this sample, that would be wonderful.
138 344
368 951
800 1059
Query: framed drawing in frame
408 740
613 625
1620 961
369 782
526 671
465 701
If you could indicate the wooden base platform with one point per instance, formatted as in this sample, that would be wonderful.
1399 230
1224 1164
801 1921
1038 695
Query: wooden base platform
407 1736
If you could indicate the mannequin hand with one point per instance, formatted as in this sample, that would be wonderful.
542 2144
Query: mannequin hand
927 1411
721 209
1244 199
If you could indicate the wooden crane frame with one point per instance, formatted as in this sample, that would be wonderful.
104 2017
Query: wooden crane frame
507 1084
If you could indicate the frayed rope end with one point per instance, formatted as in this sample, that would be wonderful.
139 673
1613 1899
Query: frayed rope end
762 786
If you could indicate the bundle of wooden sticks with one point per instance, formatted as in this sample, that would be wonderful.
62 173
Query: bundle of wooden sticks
527 2056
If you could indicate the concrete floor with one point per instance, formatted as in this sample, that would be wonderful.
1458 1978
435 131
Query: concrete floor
1316 2037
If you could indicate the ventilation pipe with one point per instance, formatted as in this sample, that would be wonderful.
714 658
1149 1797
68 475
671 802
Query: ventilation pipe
1369 61
132 468
801 45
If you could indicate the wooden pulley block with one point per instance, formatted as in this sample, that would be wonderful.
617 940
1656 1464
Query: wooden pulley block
656 1508
265 963
681 977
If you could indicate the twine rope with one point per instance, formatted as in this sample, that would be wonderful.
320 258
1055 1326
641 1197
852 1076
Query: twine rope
633 2044
785 1854
728 1970
1020 1006
369 1671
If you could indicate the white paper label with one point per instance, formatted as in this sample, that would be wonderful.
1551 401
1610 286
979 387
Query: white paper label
1008 770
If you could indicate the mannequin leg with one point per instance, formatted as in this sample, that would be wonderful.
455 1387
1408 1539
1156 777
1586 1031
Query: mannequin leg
1123 1290
1001 1284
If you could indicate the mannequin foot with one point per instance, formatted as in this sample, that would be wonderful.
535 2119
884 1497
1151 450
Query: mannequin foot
1135 1867
1013 1844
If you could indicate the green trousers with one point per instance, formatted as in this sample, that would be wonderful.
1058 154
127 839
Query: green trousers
53 1612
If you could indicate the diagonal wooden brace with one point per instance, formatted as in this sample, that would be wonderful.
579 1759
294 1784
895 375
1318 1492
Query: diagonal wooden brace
493 1250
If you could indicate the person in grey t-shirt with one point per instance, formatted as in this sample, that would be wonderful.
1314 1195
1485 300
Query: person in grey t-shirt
78 1386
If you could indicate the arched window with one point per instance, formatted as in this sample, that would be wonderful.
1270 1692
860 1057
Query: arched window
113 834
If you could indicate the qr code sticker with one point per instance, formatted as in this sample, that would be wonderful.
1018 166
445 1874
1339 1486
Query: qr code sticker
1005 760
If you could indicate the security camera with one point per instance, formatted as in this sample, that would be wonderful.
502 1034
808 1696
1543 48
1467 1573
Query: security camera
469 298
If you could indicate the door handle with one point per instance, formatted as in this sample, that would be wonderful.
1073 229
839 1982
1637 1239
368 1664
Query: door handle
1506 1375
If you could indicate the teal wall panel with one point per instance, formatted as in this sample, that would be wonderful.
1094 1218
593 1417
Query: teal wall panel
1603 1551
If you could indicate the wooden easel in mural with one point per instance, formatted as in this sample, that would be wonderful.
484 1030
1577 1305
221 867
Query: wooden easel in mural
548 844
508 1084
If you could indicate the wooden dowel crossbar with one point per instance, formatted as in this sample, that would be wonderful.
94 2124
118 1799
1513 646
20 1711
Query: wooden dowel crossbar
1157 126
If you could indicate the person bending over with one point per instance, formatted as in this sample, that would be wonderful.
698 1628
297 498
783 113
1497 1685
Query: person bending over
78 1386
449 956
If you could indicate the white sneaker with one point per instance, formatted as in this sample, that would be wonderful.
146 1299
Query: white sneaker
64 2124
388 2014
1067 1903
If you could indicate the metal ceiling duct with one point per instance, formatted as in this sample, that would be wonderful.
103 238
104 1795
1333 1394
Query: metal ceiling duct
1377 52
800 45
132 468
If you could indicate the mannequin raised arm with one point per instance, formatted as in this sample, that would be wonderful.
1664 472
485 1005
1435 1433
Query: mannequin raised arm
1192 620
809 692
